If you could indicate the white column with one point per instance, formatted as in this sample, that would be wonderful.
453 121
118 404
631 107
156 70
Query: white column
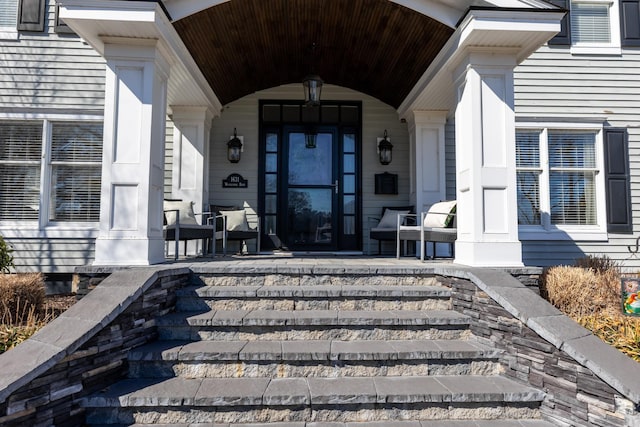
133 154
485 161
428 178
426 131
190 179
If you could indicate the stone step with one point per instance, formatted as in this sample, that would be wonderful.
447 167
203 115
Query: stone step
312 325
228 400
438 423
321 297
318 358
331 276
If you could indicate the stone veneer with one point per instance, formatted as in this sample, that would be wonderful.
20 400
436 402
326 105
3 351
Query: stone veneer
85 348
564 365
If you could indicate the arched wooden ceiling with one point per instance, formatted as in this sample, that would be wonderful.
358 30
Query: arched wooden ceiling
373 46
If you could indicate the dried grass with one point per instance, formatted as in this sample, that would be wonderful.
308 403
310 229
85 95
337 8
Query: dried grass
19 295
590 293
22 312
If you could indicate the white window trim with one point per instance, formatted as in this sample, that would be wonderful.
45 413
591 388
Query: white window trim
614 47
8 33
548 231
43 228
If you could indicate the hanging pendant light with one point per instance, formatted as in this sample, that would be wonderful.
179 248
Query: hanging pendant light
312 89
312 83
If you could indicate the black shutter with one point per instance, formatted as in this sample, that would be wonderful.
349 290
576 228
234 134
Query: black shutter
563 38
630 22
617 178
60 26
31 15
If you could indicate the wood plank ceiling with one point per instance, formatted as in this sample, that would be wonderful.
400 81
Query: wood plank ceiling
373 46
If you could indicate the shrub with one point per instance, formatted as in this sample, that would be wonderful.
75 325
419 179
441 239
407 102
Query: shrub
6 259
20 295
597 263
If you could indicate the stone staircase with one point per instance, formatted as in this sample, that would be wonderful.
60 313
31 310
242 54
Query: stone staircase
267 350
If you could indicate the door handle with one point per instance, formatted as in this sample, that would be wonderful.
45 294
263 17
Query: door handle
336 185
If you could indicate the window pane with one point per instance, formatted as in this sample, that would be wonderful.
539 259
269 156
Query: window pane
21 141
271 183
19 192
272 143
572 197
590 23
271 163
349 143
349 163
349 184
572 150
270 204
270 224
73 142
8 13
75 193
75 188
349 225
271 113
349 205
20 153
528 197
527 149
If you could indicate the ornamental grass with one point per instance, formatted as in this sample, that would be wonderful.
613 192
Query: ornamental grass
22 308
590 293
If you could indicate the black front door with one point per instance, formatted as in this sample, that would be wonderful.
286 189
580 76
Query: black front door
310 180
310 188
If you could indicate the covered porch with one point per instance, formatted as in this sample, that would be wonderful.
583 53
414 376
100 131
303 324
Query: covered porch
183 76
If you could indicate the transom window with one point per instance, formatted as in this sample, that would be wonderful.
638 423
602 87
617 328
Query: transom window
50 171
559 183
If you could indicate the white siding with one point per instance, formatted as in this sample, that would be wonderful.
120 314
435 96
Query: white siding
45 71
552 83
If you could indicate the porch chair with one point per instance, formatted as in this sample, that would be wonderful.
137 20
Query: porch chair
385 226
180 224
237 224
437 225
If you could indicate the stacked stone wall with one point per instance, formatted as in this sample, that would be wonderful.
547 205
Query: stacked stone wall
575 395
52 398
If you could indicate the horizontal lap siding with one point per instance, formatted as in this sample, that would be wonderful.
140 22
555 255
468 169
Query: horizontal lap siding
47 71
52 255
554 84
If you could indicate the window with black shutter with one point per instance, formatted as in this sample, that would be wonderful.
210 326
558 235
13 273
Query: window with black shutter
617 178
31 15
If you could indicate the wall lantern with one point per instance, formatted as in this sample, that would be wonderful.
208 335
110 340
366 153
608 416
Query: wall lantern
312 89
384 149
234 148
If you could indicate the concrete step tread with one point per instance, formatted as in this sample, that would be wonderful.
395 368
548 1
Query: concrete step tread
227 392
436 423
318 291
312 350
314 318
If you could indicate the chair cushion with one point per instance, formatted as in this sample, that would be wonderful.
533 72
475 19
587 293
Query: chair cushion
236 220
441 214
390 218
187 215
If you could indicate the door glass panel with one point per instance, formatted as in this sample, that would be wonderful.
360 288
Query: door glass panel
349 163
272 143
271 183
271 163
349 184
349 205
349 225
309 215
310 166
349 144
270 206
